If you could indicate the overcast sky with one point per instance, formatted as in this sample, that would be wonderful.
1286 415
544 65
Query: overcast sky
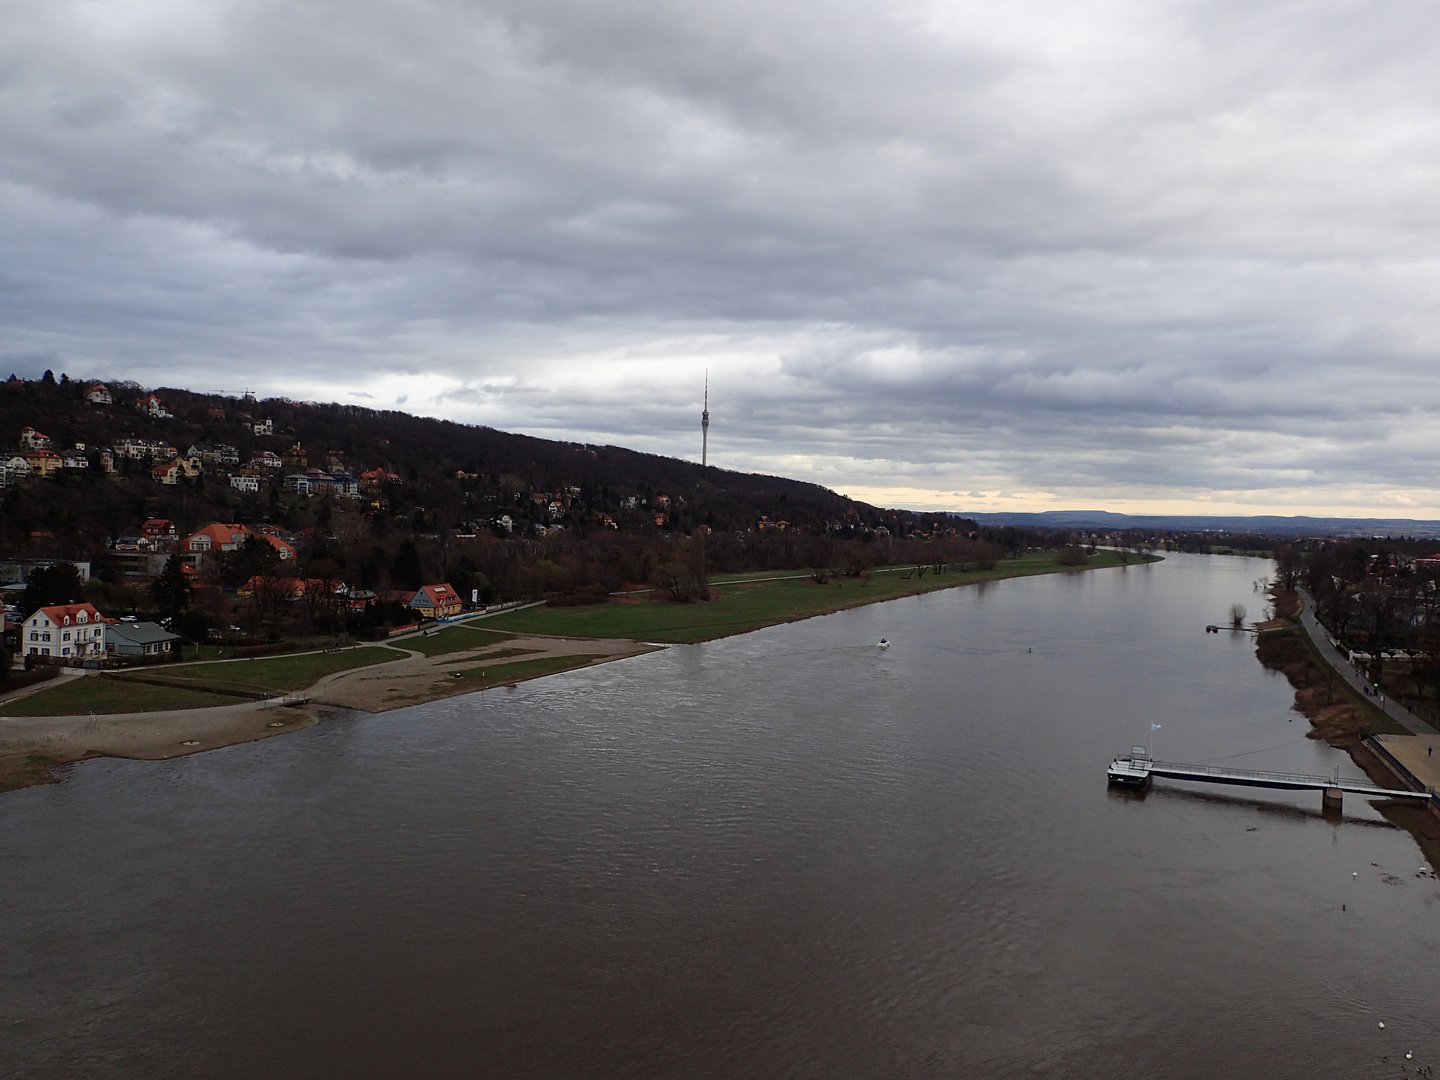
1141 256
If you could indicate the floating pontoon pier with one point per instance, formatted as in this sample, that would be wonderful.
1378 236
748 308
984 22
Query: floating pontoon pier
1137 769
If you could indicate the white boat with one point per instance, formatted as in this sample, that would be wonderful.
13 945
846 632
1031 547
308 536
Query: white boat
1131 770
884 643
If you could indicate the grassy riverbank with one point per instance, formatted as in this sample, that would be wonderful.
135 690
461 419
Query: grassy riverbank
753 601
78 697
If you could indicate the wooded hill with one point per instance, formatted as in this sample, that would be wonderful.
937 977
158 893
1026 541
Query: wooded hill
450 477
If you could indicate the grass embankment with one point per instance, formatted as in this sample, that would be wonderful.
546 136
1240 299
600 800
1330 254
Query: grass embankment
272 674
193 686
454 639
779 597
76 697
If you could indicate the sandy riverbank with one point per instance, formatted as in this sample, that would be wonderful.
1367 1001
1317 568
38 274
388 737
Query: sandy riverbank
31 748
419 678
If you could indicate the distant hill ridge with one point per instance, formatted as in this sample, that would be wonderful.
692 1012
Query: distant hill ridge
1257 525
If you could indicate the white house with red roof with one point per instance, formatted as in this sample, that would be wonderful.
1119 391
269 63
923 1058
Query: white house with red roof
33 439
66 631
153 407
99 394
436 601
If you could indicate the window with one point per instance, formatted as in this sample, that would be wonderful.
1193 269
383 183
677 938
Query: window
65 636
34 636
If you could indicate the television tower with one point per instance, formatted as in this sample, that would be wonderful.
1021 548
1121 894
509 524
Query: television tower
705 426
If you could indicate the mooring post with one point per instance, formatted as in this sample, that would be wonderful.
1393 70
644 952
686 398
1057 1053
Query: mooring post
1332 798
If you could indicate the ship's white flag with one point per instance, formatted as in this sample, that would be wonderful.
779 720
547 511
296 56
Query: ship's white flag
1154 727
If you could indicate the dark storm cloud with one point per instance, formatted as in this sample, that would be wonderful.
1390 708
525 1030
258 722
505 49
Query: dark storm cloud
1165 253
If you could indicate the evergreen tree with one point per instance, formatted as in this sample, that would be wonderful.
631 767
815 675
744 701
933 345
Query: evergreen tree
171 590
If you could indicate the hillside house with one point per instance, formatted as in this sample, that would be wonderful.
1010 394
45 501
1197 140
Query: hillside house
374 478
99 394
219 536
435 602
213 454
248 484
43 462
34 440
159 529
64 631
168 474
74 459
154 408
344 485
144 449
263 427
266 459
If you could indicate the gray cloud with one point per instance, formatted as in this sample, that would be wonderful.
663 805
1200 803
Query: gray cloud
1153 255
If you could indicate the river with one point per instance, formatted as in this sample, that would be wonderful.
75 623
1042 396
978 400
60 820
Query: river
784 854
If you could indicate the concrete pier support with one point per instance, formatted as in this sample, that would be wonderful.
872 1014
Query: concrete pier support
1332 798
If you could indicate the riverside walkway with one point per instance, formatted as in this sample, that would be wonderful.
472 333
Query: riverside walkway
1341 663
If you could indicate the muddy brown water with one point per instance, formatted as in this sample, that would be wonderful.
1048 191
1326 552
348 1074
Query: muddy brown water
785 854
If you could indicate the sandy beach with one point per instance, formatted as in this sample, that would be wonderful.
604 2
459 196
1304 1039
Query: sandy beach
31 748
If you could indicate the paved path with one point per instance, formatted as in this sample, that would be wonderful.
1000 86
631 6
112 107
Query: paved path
1341 664
459 620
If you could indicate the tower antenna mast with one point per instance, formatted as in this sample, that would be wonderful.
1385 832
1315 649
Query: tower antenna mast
705 425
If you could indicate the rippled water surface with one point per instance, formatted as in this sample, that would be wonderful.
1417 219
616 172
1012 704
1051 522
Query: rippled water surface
783 854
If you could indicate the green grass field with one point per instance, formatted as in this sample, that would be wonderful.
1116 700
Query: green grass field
279 674
742 607
454 639
80 696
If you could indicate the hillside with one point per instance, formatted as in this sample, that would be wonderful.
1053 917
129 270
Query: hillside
445 476
411 477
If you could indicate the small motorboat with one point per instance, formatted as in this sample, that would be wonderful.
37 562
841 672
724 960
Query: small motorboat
884 643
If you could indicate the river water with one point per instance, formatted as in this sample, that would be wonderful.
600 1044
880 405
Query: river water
786 854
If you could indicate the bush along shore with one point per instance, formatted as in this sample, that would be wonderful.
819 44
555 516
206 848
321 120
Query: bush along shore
179 709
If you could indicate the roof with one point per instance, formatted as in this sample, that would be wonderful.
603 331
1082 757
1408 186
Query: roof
439 595
140 633
65 614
